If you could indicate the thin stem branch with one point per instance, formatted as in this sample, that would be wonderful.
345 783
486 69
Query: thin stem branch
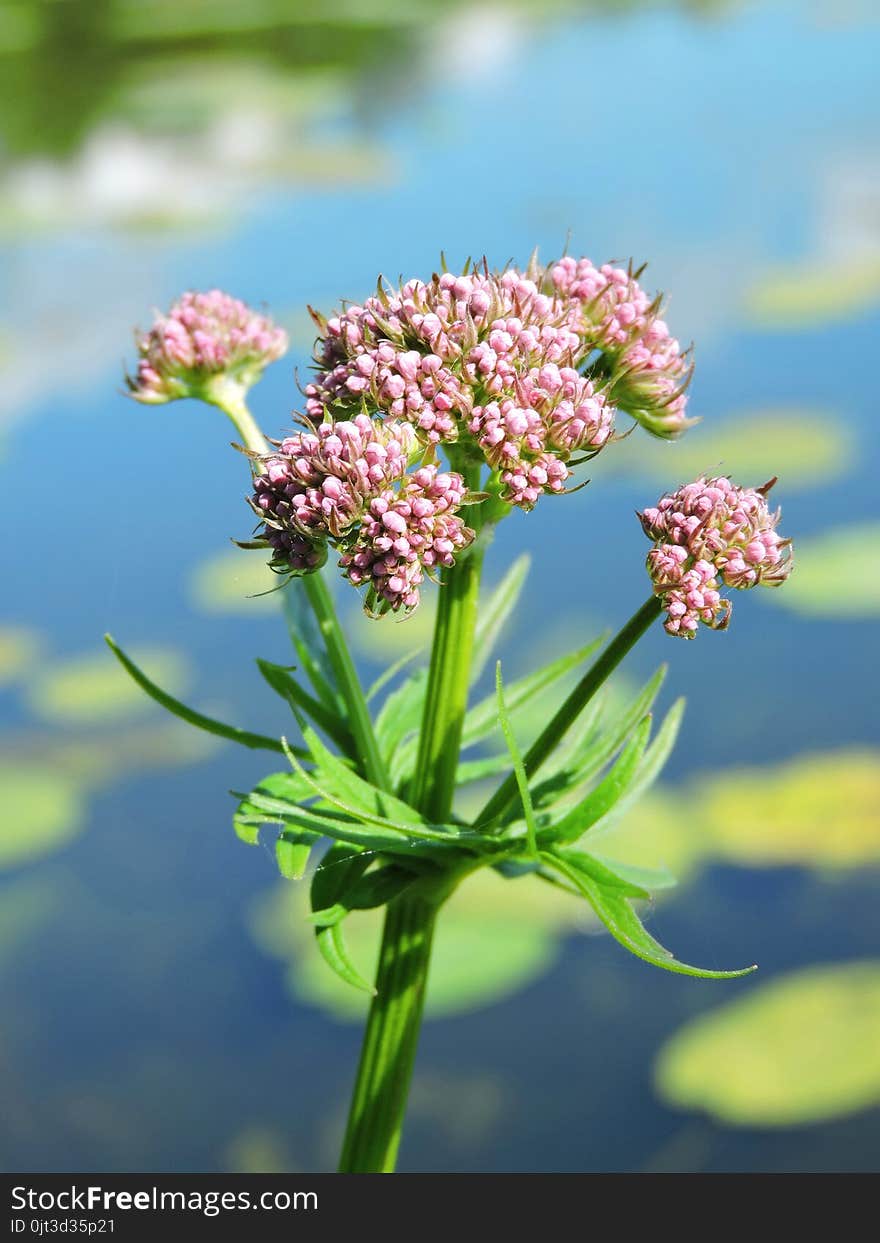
229 397
347 680
571 709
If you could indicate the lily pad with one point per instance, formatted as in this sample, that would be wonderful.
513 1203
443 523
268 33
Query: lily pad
804 448
494 938
836 575
800 1049
235 582
810 295
390 637
42 811
93 688
816 810
19 649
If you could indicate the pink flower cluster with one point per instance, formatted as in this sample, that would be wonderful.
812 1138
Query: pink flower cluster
529 437
203 336
345 483
650 370
707 534
531 365
405 533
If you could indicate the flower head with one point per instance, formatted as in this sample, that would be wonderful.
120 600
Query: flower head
405 533
528 366
707 535
203 338
319 483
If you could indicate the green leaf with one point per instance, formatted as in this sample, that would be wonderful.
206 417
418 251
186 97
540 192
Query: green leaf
583 766
612 787
494 613
292 852
479 770
331 721
198 719
391 672
331 944
620 919
340 868
651 879
378 887
522 780
483 717
308 643
594 869
359 795
400 716
649 769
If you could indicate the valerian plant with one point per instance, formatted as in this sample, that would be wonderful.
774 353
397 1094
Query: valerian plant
434 410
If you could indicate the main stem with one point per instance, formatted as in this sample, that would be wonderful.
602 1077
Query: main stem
388 1053
229 397
448 681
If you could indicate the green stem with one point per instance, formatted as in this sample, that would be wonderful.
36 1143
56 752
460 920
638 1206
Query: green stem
388 1053
571 709
229 397
392 1034
448 680
347 679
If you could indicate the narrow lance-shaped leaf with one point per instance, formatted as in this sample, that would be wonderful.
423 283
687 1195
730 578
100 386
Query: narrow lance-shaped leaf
586 765
482 718
390 673
518 768
330 721
478 770
649 769
340 868
611 788
494 613
620 919
400 715
242 736
308 644
354 792
292 852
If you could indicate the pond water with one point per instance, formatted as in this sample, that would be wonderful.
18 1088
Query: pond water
161 1006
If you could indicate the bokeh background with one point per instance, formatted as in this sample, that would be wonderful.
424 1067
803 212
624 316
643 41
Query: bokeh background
163 1008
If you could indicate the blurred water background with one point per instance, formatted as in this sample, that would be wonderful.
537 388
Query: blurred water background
163 1007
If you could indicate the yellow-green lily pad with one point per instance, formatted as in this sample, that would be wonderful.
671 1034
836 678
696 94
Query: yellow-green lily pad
42 810
818 810
836 575
237 582
19 649
805 448
93 688
812 294
493 938
803 1048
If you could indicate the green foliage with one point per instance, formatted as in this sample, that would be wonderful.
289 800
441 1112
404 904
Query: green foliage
382 847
